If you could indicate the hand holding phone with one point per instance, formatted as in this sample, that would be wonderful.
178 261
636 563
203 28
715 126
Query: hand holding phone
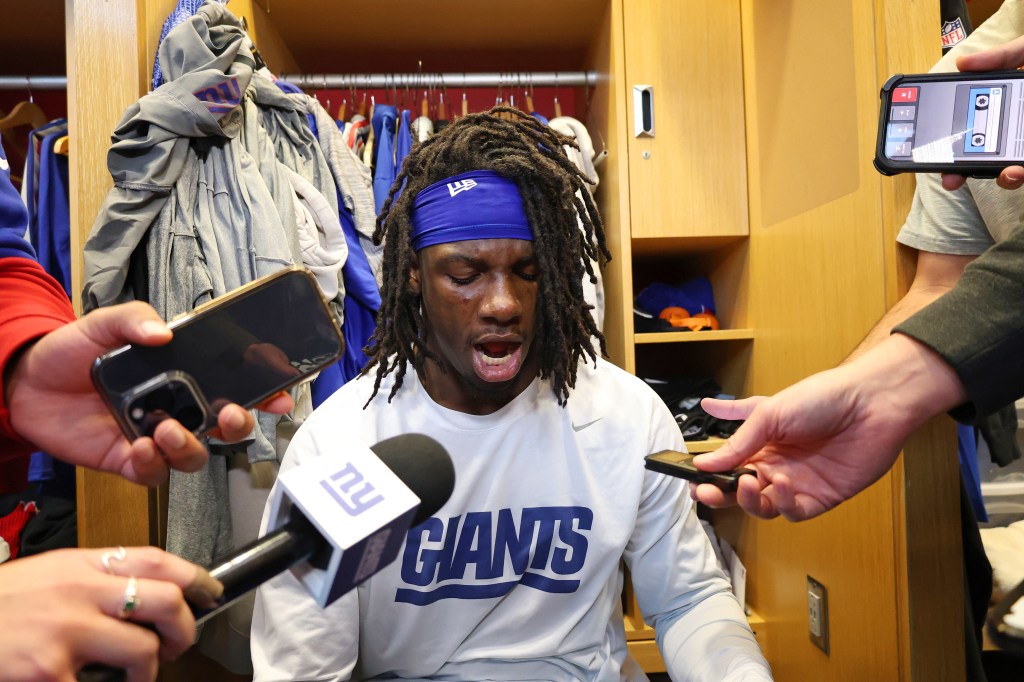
958 123
241 348
680 464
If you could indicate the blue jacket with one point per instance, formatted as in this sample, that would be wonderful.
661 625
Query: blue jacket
383 122
13 217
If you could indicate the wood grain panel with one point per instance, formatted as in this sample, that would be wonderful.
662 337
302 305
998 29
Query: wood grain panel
346 36
100 35
265 35
926 478
606 121
690 178
816 278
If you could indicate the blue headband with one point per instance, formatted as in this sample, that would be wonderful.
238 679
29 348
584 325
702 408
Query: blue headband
476 205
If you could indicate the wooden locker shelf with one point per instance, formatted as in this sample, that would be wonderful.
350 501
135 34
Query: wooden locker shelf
694 337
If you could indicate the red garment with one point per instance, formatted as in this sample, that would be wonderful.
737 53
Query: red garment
32 303
12 525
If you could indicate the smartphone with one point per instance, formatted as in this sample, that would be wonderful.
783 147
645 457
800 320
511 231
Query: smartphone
964 123
680 464
241 347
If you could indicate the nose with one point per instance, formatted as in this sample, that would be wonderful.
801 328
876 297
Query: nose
501 303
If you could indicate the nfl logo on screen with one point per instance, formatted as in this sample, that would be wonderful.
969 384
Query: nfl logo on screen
952 33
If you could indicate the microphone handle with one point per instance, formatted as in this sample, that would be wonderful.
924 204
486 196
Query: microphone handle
241 571
249 567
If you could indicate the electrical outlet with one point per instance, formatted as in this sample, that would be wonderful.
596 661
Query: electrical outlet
817 613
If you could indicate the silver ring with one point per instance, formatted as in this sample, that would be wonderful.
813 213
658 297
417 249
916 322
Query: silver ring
118 554
131 600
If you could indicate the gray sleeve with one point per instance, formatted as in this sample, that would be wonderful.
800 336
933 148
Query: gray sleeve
944 222
978 328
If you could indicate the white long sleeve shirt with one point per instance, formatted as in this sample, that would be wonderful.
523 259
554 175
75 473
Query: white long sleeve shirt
519 575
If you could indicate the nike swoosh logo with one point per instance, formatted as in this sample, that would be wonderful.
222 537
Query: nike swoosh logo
583 426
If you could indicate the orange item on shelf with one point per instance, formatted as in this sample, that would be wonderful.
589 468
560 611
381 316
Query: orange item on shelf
675 315
679 317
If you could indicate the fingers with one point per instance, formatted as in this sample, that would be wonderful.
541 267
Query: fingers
121 644
951 183
731 409
134 322
156 603
1006 56
1011 178
279 403
748 439
711 495
155 564
145 464
180 448
755 497
234 423
162 581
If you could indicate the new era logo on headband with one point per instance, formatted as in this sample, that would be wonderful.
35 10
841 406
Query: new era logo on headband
460 186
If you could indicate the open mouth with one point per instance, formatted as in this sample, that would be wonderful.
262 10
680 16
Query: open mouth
495 353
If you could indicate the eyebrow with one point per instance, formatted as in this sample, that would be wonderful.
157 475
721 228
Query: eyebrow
480 262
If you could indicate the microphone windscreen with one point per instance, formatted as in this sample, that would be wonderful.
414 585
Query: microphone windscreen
424 467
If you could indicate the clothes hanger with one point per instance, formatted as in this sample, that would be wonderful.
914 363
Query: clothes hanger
442 115
465 103
24 114
529 96
327 95
61 145
362 102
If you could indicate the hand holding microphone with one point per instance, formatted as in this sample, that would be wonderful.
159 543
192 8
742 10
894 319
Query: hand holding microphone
335 521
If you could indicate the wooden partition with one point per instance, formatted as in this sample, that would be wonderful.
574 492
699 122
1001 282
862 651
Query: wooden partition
823 269
814 267
107 47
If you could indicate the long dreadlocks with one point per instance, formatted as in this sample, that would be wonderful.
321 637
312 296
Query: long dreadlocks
556 202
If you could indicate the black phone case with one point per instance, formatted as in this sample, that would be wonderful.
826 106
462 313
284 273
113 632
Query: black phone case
303 338
975 169
680 465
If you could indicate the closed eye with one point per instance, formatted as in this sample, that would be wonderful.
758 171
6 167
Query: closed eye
462 281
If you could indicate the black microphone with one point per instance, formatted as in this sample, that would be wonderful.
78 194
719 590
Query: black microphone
336 552
404 481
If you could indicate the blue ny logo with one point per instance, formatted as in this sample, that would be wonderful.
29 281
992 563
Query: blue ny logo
351 490
220 98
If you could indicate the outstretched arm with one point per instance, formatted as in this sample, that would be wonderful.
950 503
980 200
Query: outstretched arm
826 438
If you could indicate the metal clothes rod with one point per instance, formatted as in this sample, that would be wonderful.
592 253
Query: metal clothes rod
33 83
509 79
496 79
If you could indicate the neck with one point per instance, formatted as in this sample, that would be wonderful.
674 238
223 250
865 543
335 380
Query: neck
449 390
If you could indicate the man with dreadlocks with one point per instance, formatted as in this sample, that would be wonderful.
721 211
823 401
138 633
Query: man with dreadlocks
519 575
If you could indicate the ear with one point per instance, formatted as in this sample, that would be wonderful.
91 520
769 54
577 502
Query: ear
414 275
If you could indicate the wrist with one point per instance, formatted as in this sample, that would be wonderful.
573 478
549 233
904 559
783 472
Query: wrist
916 382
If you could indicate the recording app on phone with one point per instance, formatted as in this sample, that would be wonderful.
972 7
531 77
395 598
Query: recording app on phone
954 122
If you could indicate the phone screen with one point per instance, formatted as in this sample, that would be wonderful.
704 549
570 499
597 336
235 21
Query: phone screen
241 348
951 122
